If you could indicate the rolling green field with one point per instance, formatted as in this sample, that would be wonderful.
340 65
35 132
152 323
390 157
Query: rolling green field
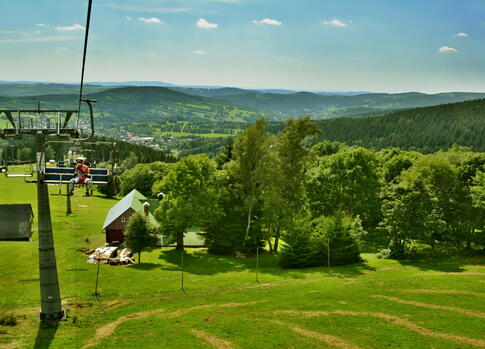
436 303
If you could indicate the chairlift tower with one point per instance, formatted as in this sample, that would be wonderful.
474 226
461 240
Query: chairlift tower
45 129
43 132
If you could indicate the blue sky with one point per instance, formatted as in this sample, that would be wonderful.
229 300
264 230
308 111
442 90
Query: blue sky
326 45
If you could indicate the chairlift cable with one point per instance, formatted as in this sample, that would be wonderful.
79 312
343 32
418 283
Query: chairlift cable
86 36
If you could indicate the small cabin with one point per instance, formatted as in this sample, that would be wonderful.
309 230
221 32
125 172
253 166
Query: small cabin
118 216
16 222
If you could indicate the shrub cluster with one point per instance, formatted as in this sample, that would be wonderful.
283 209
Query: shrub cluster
333 240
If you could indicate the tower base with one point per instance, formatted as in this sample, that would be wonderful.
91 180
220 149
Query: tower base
61 315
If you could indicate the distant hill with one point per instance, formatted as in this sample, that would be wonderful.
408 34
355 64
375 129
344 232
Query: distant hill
281 106
142 103
8 89
210 92
425 129
133 83
276 105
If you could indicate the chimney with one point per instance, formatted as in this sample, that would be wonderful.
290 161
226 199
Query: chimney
146 208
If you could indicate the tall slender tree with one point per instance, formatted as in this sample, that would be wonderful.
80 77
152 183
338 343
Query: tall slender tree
250 153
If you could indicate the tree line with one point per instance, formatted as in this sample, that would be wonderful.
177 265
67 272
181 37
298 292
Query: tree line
314 205
119 151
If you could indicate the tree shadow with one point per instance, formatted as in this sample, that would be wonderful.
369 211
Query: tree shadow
453 264
203 263
145 266
46 334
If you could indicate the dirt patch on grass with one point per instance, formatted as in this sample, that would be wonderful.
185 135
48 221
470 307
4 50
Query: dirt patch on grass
181 312
108 329
80 305
212 340
331 340
258 286
235 305
392 319
434 306
209 318
443 292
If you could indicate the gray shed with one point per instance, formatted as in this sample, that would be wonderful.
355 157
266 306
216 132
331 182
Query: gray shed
16 222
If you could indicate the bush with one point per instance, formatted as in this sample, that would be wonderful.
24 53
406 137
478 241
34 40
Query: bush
384 253
298 251
340 235
112 188
308 242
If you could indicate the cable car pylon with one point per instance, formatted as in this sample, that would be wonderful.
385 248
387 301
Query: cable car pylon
57 128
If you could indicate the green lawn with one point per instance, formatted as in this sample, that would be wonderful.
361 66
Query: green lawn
377 304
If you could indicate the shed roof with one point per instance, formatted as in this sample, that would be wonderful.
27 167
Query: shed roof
15 221
133 200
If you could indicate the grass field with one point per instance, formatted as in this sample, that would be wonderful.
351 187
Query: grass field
377 304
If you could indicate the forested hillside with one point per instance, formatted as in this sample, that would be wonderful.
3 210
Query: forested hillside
296 104
141 103
424 129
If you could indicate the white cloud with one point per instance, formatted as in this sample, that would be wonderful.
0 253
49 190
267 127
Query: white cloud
335 23
446 49
268 21
129 18
204 24
151 20
70 28
200 52
43 25
37 39
461 35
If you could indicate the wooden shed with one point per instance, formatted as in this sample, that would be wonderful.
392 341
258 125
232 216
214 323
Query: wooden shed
118 216
16 222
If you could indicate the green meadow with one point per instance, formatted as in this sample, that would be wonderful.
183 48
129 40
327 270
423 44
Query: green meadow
424 303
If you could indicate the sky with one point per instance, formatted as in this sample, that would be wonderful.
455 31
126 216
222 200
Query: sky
315 45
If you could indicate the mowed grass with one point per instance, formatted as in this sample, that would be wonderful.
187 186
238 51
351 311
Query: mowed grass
376 304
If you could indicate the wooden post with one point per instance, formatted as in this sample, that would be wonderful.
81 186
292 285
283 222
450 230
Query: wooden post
97 278
257 264
182 269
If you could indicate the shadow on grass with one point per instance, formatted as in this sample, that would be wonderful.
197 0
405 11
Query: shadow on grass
203 263
454 264
45 334
145 266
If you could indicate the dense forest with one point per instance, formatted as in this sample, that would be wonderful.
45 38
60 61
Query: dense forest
422 129
264 188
